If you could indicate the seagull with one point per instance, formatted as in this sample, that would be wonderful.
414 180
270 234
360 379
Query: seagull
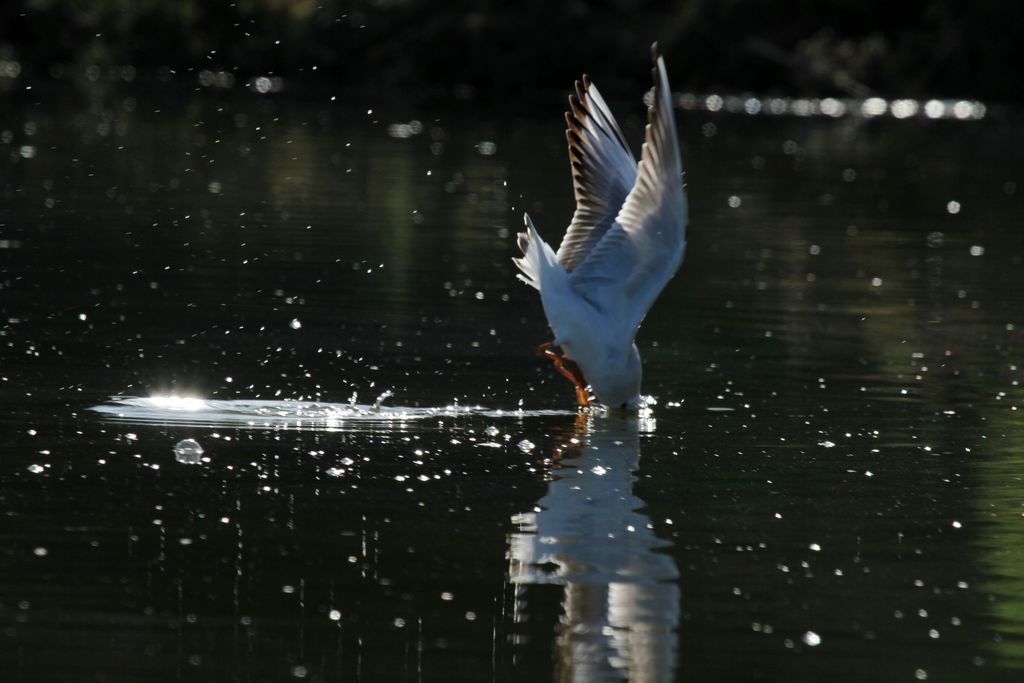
625 242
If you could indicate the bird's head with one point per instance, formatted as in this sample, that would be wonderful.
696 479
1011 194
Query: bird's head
617 385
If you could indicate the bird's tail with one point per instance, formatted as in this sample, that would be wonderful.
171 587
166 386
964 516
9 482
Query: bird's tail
537 255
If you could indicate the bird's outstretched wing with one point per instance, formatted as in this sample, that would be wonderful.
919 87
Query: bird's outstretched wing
603 172
624 273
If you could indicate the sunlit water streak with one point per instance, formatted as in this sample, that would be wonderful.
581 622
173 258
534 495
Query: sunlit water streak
830 107
286 414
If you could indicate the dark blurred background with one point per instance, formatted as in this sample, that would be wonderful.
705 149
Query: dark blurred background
490 50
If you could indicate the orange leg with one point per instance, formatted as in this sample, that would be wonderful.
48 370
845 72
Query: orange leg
568 369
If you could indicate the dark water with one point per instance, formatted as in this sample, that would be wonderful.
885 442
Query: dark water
830 485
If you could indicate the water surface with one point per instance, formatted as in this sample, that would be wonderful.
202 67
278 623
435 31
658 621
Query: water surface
829 485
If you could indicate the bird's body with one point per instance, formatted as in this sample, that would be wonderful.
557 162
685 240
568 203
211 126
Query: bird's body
625 241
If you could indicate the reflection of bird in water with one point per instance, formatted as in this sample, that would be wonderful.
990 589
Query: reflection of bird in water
624 243
621 599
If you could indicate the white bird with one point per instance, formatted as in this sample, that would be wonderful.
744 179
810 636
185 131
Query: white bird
625 242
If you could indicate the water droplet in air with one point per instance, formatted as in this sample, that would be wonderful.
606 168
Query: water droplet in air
188 451
295 324
380 399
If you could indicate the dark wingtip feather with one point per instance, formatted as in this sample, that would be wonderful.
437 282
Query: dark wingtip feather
570 118
523 240
574 104
573 135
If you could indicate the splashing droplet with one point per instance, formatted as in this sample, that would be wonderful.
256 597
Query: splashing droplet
188 451
380 399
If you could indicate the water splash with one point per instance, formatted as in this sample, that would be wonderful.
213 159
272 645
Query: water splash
286 414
